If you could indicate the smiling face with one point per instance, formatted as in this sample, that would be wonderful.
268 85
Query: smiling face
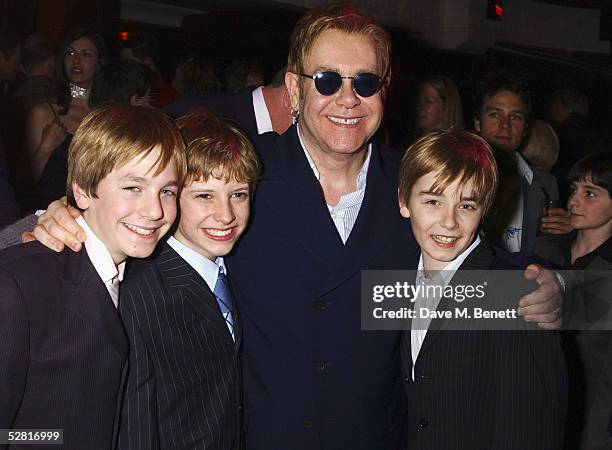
590 207
503 120
213 215
133 208
81 62
429 109
444 223
341 123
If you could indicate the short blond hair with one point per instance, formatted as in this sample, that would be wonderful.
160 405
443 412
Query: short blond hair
217 148
451 99
453 154
541 145
111 136
345 18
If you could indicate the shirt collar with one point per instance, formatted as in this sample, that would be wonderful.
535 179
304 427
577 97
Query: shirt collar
262 115
523 168
207 269
449 270
99 255
361 177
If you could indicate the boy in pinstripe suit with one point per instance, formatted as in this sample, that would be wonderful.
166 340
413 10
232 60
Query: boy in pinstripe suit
474 387
184 386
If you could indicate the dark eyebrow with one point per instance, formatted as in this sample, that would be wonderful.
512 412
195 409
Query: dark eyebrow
593 187
469 199
513 111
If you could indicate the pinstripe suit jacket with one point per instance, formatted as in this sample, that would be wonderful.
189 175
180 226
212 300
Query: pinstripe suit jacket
183 389
476 390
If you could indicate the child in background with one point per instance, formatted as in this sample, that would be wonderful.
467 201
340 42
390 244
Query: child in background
588 249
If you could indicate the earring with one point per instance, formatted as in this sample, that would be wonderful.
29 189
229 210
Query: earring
295 115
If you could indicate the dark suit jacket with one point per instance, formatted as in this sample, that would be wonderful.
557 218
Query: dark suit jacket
543 185
476 390
589 350
62 347
9 210
312 378
237 107
183 388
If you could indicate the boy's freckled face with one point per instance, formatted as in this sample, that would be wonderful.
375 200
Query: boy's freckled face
213 215
444 224
590 206
134 207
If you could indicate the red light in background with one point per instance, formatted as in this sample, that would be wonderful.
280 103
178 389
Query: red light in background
499 11
123 35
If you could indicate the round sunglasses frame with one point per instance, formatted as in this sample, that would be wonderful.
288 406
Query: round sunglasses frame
357 82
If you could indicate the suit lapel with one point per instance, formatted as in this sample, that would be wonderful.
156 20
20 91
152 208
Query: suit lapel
480 259
295 195
180 277
373 229
533 201
245 113
87 296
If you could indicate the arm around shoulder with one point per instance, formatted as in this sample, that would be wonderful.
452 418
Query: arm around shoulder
11 235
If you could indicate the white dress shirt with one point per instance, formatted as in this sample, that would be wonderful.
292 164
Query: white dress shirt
207 269
417 336
262 115
102 261
344 214
514 231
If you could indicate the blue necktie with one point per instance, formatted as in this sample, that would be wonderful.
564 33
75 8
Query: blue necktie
224 298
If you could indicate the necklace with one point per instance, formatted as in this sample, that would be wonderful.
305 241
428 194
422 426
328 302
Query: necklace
78 92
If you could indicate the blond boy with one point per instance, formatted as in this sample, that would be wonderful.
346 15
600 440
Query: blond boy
61 340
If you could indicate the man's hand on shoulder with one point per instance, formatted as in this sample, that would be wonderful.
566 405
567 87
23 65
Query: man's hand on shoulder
544 304
57 227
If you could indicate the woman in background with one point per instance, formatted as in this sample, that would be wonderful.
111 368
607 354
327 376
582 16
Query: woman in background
50 126
438 105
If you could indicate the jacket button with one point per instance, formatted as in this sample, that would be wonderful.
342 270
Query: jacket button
407 379
240 408
320 305
308 424
425 377
423 422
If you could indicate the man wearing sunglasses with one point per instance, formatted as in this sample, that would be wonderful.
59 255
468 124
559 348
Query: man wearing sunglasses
325 210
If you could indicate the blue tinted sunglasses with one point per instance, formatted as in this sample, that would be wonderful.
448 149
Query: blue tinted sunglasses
329 82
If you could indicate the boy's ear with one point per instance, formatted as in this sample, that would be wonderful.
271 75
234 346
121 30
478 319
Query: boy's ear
404 211
477 123
81 197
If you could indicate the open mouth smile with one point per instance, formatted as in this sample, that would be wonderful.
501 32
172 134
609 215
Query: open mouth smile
444 240
145 232
344 121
